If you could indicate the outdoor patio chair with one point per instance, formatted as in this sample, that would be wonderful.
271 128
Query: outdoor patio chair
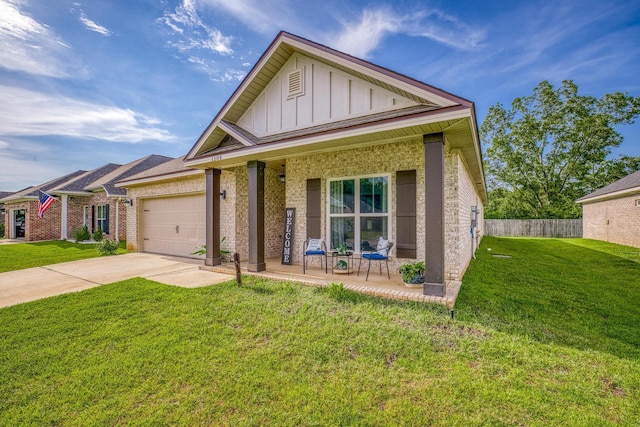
314 247
381 254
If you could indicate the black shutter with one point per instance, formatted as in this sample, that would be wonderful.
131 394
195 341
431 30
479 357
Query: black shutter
106 219
313 208
406 214
93 218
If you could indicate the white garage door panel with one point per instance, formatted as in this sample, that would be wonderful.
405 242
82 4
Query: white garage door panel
173 225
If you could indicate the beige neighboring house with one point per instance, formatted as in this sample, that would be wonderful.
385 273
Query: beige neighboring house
357 150
612 213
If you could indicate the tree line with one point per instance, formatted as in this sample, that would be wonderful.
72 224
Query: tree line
553 147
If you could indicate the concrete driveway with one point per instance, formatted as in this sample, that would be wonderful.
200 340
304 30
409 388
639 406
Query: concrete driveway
41 282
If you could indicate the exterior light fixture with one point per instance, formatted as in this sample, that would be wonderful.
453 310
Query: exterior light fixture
223 195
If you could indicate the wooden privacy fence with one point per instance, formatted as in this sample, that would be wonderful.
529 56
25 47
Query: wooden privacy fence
533 227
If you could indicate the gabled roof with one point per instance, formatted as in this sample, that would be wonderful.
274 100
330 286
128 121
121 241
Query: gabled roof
4 194
108 181
31 193
624 186
77 186
169 170
281 49
238 132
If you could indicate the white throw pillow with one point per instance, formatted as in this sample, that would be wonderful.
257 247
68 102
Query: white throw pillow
315 244
382 246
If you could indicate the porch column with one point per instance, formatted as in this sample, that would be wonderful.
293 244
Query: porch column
434 214
63 221
256 216
212 212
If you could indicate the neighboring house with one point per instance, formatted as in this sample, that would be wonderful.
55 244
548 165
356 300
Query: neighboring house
612 213
84 198
3 194
358 150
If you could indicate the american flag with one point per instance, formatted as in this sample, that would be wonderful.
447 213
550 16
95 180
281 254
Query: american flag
44 202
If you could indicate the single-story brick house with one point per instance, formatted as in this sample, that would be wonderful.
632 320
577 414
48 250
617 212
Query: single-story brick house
83 198
357 150
612 213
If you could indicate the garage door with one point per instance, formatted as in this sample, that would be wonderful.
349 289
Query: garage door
173 225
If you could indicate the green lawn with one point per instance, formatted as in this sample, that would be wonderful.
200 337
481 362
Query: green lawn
26 255
272 353
575 292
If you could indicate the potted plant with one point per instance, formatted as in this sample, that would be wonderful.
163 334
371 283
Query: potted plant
341 266
412 274
342 249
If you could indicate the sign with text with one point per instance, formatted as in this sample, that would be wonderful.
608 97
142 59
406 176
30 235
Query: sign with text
289 225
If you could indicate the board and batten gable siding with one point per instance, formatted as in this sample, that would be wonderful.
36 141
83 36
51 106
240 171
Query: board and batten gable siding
328 94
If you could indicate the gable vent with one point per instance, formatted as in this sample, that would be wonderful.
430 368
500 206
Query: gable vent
296 83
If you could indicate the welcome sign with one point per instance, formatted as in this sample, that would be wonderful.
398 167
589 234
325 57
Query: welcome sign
289 223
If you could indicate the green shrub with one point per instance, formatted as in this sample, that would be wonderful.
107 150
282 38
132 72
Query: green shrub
1 230
81 234
107 246
97 235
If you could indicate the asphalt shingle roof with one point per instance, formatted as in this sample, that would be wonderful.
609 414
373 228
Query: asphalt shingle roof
628 182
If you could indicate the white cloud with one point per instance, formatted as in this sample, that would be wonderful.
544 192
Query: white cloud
29 46
193 32
24 112
93 26
362 37
257 15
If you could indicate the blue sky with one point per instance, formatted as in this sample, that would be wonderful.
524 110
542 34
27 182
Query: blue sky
84 83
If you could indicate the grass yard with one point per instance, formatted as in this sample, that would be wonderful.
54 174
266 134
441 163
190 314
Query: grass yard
273 353
26 255
575 292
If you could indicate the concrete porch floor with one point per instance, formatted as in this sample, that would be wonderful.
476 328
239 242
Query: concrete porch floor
377 285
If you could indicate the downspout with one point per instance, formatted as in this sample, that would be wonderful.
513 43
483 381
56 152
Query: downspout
118 219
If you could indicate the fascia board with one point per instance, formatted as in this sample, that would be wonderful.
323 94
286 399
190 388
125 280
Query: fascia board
452 114
613 195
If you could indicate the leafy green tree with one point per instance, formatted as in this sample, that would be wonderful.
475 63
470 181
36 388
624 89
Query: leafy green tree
552 148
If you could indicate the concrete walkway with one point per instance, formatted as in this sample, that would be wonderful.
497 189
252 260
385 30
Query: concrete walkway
40 282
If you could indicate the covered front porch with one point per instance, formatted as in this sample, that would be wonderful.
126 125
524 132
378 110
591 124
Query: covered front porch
377 284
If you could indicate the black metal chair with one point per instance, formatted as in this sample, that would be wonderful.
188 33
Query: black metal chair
381 254
314 247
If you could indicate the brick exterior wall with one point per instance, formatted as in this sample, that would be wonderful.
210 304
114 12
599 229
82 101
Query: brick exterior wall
613 220
116 207
274 205
460 195
50 227
379 159
47 228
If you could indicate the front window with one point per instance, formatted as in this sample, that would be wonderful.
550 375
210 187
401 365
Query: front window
101 218
358 211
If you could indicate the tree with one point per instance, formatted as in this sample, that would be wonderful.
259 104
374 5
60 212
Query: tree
552 148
